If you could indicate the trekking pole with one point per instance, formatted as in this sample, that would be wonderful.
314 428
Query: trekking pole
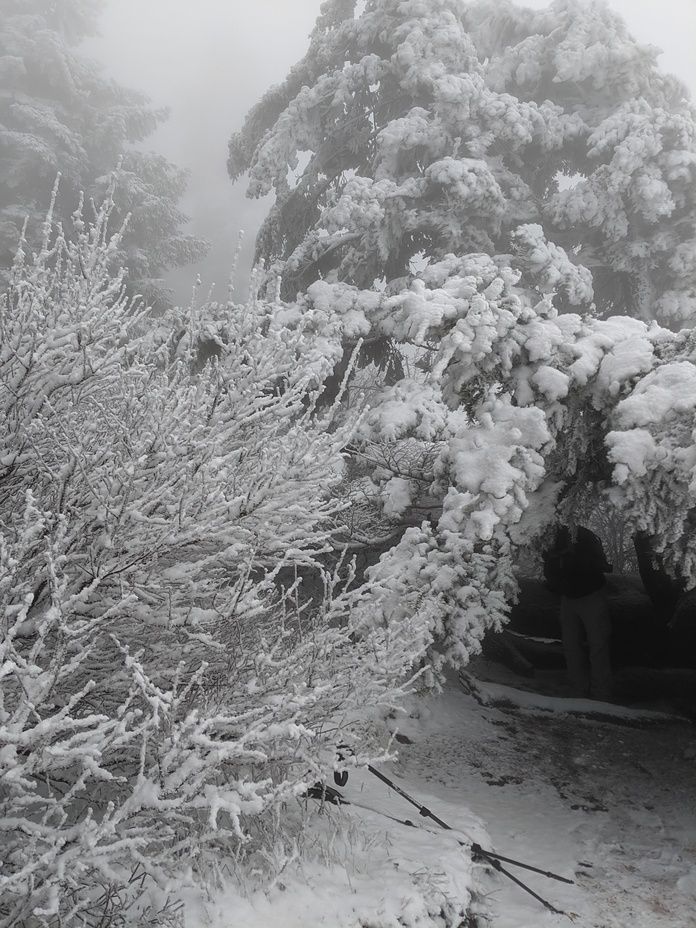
491 857
424 811
495 863
476 848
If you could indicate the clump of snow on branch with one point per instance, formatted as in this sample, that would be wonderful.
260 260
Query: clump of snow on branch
652 450
550 267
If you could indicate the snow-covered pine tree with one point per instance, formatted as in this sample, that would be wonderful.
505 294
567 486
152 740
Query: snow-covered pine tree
58 114
456 178
164 701
420 129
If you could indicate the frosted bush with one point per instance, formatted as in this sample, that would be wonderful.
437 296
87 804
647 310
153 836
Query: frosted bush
162 695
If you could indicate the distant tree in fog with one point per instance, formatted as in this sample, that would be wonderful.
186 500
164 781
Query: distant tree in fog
58 114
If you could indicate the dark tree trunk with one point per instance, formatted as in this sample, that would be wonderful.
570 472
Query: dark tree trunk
663 590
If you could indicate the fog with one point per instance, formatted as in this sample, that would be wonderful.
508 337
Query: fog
209 61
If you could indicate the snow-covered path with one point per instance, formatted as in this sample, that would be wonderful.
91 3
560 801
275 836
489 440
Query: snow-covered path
607 801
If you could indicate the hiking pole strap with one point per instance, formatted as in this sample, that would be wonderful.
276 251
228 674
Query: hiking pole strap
424 811
477 849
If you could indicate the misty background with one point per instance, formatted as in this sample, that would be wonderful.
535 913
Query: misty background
209 61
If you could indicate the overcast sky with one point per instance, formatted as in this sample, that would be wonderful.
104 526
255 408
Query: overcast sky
210 60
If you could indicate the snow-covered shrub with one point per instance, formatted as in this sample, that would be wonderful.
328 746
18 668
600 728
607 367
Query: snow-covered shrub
161 696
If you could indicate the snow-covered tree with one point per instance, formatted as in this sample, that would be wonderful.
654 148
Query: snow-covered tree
508 196
164 698
58 114
417 129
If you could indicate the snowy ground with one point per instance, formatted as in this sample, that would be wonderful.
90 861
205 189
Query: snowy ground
603 795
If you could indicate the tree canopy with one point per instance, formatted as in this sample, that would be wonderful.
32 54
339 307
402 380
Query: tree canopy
422 129
59 115
508 196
